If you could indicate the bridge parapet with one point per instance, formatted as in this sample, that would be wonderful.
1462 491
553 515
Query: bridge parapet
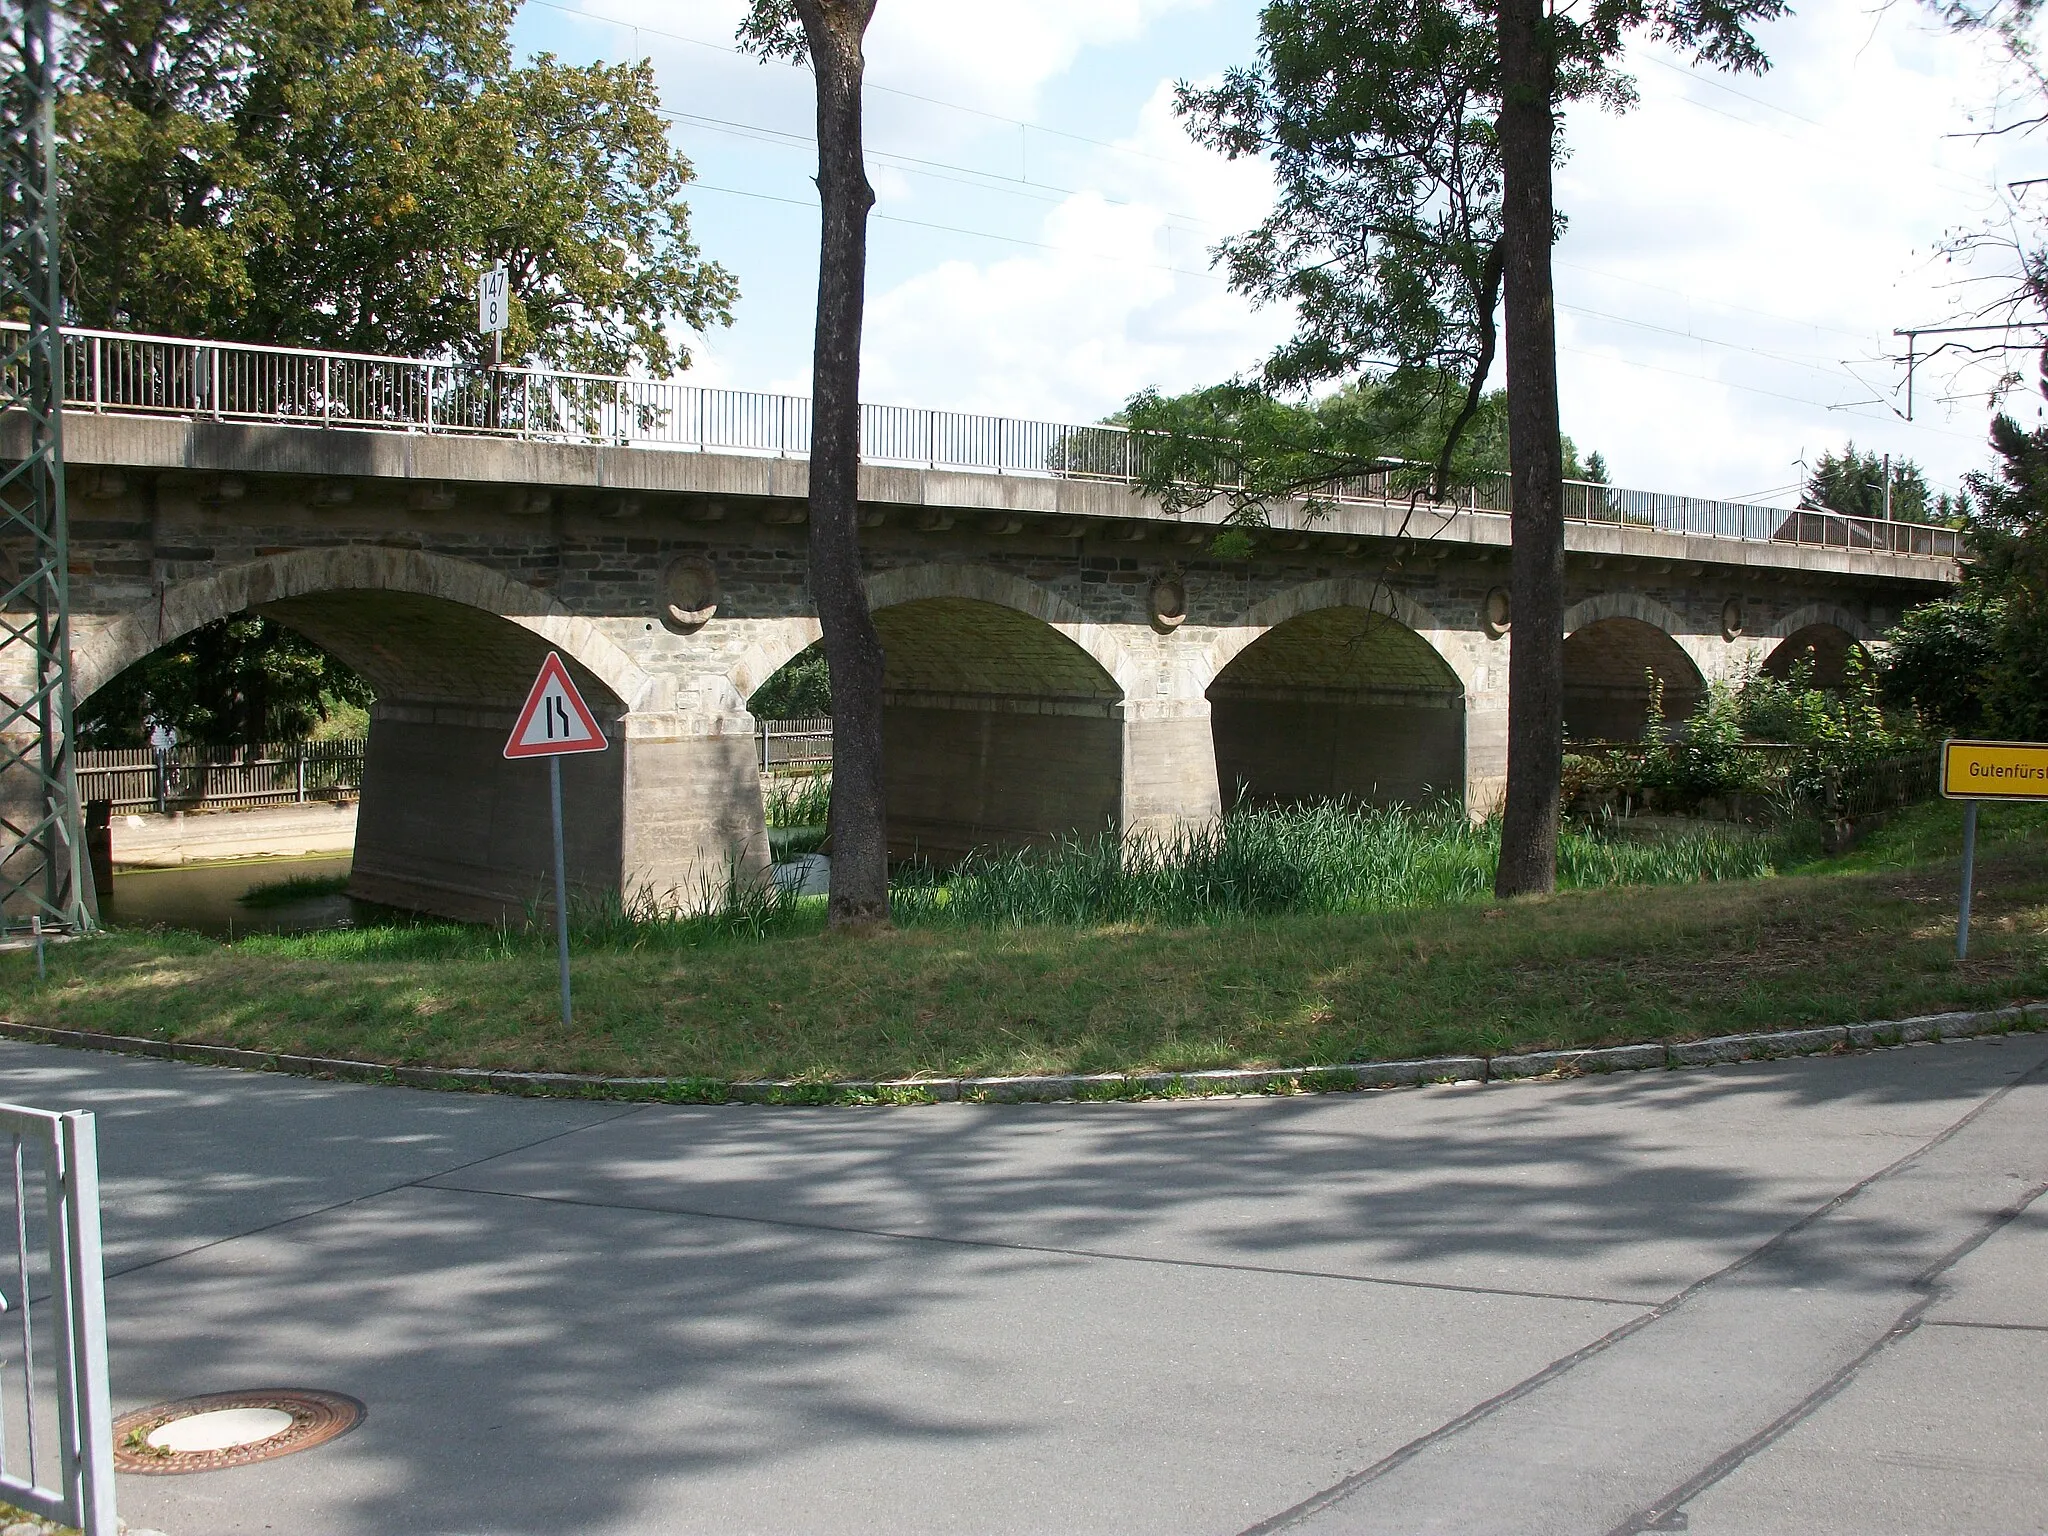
951 452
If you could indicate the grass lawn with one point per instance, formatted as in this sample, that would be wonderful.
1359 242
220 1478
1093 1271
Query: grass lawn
1867 936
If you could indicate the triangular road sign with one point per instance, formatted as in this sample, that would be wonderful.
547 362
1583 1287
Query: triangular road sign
555 719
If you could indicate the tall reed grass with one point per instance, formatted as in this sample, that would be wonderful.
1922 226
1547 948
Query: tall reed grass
798 800
1331 857
1328 857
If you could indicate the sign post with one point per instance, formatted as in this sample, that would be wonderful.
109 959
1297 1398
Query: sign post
553 723
1975 771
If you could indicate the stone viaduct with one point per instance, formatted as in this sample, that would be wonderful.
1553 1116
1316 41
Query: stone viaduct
1062 654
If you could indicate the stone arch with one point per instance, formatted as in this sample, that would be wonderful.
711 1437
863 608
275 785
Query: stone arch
302 588
1819 613
445 824
917 583
980 584
1001 714
1647 610
763 659
1825 647
1454 647
1612 642
1343 689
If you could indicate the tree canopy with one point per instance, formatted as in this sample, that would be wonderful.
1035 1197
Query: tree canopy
1242 442
1380 119
236 682
332 173
1854 483
1979 660
801 690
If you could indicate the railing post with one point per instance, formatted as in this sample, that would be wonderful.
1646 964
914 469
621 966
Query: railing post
99 373
931 439
326 391
299 764
89 1398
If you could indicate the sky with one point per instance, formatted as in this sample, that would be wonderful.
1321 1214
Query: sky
1738 253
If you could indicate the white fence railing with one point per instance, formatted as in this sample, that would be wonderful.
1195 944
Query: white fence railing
120 372
56 1421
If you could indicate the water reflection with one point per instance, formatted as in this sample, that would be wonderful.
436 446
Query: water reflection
203 898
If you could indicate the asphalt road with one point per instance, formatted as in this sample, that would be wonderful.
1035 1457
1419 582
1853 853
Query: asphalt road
1805 1296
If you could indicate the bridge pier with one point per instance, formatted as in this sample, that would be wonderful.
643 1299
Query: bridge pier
449 826
1169 768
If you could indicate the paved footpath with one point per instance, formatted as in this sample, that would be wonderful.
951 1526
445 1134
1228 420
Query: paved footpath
1806 1296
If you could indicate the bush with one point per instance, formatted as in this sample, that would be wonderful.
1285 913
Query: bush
1939 662
1825 740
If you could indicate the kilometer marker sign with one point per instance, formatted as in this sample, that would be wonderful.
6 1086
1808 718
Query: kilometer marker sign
555 720
555 723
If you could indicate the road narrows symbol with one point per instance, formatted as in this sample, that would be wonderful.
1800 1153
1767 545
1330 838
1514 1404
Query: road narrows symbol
555 719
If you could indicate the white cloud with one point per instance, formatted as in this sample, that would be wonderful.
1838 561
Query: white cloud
1733 270
995 54
1123 298
999 53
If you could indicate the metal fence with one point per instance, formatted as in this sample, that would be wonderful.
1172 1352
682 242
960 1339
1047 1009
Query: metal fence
793 746
1866 789
185 778
56 1421
114 371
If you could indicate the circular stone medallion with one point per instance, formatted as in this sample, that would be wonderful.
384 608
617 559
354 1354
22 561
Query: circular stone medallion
229 1429
1498 612
1731 618
689 594
1168 601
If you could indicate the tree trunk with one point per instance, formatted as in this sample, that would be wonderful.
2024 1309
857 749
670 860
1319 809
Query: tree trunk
853 650
1528 839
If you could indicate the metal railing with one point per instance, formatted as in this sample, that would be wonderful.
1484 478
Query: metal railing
183 778
120 372
53 1327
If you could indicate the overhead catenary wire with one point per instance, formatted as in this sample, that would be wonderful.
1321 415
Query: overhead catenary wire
1036 191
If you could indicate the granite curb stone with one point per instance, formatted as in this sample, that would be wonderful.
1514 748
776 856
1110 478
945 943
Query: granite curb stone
1719 1050
1615 1058
1725 1048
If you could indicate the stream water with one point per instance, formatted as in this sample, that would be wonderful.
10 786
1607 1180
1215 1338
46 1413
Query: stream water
204 898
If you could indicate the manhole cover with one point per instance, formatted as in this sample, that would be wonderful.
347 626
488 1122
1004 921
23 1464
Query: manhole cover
228 1429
